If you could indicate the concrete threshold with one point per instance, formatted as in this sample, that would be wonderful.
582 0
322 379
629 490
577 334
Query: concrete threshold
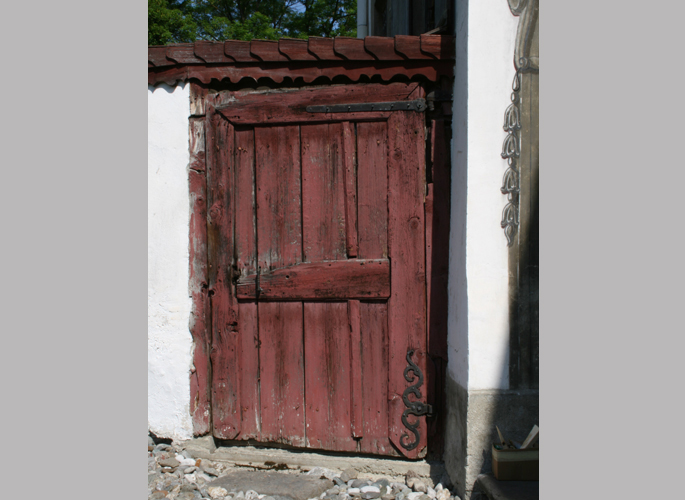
282 459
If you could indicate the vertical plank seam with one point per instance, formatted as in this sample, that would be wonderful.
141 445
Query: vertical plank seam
208 305
302 258
209 130
256 262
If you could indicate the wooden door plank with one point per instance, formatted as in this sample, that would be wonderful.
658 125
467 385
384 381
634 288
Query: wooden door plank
374 337
288 105
226 340
246 214
328 280
249 366
350 175
356 394
372 182
406 246
282 372
327 376
279 225
200 387
246 263
323 193
372 189
279 244
327 338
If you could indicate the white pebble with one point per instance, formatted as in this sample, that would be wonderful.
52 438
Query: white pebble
366 489
217 492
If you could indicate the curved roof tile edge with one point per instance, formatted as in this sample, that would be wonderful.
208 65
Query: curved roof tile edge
427 55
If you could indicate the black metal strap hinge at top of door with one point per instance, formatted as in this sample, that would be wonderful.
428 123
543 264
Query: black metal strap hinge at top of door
415 105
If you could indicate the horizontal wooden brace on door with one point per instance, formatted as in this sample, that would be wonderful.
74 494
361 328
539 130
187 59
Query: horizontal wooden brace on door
332 280
415 105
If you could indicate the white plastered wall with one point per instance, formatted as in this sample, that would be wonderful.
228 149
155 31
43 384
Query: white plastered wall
478 325
169 302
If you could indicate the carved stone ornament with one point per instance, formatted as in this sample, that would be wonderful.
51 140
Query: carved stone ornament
526 10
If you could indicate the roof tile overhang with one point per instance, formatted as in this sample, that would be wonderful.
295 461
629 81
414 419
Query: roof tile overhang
429 56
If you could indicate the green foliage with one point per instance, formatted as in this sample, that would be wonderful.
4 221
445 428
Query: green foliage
325 18
168 24
174 21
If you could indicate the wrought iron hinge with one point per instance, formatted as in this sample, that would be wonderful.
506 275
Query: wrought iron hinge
415 105
416 408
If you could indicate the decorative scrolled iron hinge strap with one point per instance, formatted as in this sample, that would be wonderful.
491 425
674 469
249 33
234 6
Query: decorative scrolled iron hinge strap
511 149
411 373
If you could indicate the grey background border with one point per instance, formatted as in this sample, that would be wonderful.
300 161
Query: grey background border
74 201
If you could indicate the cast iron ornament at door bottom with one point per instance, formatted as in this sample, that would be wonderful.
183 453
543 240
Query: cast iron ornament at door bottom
416 408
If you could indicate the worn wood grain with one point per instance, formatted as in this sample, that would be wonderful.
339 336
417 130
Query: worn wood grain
350 179
327 280
198 96
355 368
410 47
157 56
250 405
279 244
200 386
382 48
406 246
225 338
246 263
374 336
309 71
438 46
266 50
323 192
327 376
211 52
322 48
282 372
245 203
372 201
278 181
290 105
351 48
239 51
372 189
197 144
183 54
295 49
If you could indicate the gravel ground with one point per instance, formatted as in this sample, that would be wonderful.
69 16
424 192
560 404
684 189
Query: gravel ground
173 473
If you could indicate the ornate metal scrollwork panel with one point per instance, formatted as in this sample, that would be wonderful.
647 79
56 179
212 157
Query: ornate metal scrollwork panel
413 375
511 148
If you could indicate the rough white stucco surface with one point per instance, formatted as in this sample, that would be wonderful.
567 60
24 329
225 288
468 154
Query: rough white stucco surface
478 335
169 340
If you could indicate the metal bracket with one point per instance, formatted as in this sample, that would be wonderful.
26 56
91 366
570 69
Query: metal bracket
415 105
416 408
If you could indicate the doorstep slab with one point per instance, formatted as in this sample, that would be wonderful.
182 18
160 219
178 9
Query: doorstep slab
266 458
293 486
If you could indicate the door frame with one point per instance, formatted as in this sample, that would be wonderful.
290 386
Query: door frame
433 222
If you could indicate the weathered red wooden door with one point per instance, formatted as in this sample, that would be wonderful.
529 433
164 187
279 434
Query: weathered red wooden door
317 268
